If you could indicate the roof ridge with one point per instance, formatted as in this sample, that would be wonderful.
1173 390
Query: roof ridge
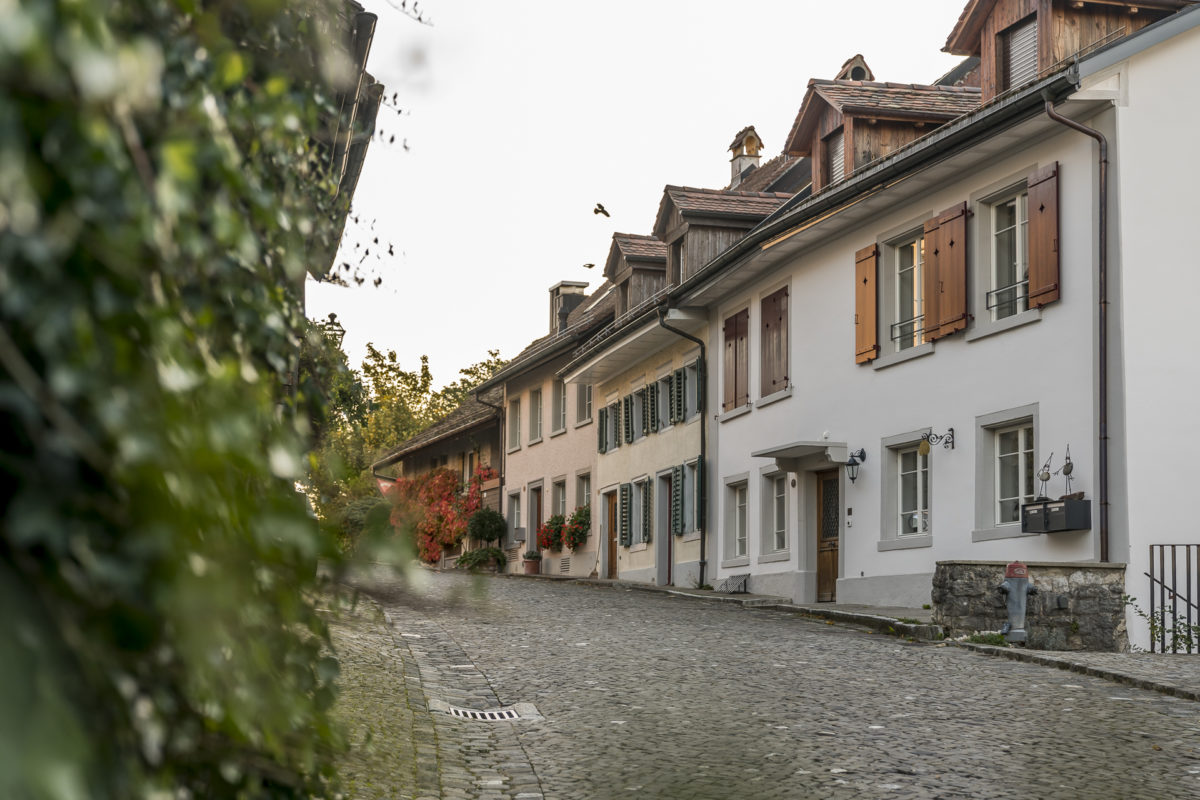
730 192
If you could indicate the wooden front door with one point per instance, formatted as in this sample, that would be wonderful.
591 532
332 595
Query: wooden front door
829 526
610 532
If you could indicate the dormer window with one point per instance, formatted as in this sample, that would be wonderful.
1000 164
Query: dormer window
835 156
1017 48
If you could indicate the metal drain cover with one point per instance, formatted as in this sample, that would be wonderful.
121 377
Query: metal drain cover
513 713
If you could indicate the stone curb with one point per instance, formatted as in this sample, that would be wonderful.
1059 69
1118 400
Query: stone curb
1033 657
887 625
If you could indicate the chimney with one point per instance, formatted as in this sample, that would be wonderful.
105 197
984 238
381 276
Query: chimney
745 148
565 296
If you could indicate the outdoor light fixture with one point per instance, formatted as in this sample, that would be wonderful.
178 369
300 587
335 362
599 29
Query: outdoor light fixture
856 457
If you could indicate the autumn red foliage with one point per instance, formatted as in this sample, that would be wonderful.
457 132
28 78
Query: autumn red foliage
436 509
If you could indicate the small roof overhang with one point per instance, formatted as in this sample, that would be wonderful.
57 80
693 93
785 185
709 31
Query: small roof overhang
792 457
646 341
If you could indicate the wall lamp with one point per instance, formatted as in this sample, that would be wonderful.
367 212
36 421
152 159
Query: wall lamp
856 457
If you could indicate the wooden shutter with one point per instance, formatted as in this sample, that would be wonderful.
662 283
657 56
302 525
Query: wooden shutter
1042 232
672 401
701 384
647 509
743 358
614 414
625 529
866 338
645 421
602 431
773 343
930 280
677 500
730 394
627 417
952 271
652 406
701 498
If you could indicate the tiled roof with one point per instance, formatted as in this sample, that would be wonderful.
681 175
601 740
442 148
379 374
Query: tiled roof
725 202
637 246
469 414
911 98
737 139
765 175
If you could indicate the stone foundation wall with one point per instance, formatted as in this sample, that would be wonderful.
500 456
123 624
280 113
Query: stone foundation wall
1078 606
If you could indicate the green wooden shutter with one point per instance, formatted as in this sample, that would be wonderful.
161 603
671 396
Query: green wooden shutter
614 414
680 395
698 491
701 377
652 404
623 513
647 510
645 393
677 500
602 429
627 418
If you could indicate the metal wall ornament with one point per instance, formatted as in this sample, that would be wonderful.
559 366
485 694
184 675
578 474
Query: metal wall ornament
946 440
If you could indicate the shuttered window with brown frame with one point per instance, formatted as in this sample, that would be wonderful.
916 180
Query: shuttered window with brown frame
1043 236
866 339
737 390
774 343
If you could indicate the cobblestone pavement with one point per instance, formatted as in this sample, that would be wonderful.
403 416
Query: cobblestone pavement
656 696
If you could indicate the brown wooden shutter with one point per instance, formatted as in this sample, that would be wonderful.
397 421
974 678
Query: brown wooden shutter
781 355
866 339
931 280
730 375
952 271
1042 234
743 355
773 343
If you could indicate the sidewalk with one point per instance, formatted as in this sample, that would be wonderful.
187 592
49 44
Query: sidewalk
1175 675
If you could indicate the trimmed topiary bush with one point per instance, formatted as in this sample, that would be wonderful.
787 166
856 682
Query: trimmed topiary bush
487 525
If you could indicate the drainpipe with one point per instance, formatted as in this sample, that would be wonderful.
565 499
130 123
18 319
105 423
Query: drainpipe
1102 281
702 372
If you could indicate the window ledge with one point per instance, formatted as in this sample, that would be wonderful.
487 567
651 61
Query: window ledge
988 327
905 542
740 561
693 418
782 555
774 397
513 449
637 548
691 537
558 432
582 422
532 442
1000 532
891 359
735 413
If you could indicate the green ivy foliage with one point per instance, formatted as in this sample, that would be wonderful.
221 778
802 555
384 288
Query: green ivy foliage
161 199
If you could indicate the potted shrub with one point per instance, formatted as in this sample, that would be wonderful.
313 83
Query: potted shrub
533 562
487 526
550 533
485 558
577 528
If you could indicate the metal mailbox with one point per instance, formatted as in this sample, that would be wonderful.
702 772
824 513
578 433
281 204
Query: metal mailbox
1055 516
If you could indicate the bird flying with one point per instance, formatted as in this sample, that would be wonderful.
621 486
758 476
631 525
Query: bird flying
600 209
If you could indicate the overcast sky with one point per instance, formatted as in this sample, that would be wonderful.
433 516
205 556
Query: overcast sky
518 117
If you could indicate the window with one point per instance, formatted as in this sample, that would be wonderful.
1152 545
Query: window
663 392
640 512
773 343
693 399
558 497
583 490
583 403
739 496
912 491
514 424
1010 257
834 157
639 414
1018 54
559 408
774 512
908 258
1014 471
514 517
535 416
693 495
737 392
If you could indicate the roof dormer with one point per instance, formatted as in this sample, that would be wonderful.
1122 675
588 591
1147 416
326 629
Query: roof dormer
855 69
637 267
1018 40
747 149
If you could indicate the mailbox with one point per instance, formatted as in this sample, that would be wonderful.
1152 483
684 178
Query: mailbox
1055 516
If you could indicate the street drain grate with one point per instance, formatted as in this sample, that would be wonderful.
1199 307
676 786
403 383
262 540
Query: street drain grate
494 715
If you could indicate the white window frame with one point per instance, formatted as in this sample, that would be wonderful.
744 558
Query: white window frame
558 496
741 519
890 535
988 427
918 516
691 386
559 409
637 409
514 424
915 320
1019 198
773 512
637 512
535 416
663 406
514 515
583 489
583 403
1025 457
690 495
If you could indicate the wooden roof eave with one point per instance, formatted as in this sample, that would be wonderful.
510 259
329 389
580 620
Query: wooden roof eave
901 114
800 136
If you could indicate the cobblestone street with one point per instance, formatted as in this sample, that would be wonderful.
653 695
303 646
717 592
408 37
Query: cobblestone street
650 695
